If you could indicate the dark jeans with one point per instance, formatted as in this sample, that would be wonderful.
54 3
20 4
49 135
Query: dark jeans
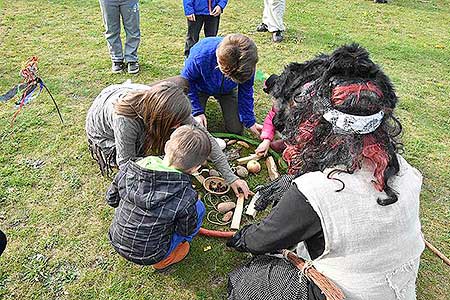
230 110
210 27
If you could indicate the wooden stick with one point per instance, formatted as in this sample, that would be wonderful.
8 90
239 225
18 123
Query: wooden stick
236 223
199 178
437 252
251 211
246 159
272 168
328 287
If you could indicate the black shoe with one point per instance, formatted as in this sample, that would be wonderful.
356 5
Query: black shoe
380 1
277 36
262 28
133 67
117 67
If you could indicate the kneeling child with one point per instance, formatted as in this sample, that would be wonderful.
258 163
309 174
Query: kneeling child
157 210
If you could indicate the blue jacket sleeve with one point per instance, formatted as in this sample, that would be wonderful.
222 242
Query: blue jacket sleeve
191 73
245 103
189 7
222 3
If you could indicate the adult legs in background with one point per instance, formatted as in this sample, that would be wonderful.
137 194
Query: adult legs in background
129 9
230 111
193 33
111 21
179 245
273 17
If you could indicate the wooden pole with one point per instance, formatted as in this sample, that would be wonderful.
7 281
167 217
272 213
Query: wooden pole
272 168
199 178
251 211
236 222
437 252
246 159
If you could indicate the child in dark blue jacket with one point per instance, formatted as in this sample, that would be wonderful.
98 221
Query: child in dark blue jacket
157 210
201 13
224 68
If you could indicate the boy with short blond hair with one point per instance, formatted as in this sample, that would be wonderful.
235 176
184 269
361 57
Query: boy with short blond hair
157 210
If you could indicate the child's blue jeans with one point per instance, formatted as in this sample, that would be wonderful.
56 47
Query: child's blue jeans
178 239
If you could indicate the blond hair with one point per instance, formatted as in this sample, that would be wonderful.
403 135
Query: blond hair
237 56
162 107
188 147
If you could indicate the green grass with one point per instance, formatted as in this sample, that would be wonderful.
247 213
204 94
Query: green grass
56 217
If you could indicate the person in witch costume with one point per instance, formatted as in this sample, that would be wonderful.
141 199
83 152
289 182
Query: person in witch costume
350 203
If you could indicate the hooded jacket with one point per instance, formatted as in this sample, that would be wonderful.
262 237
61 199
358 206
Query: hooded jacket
202 7
150 207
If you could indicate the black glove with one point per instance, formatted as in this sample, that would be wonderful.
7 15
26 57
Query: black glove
237 242
272 192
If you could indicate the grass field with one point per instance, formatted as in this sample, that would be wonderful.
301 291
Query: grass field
55 216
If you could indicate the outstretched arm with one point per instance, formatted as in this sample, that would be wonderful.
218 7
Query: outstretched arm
293 220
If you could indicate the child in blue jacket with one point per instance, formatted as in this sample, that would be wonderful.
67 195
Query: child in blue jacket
224 68
201 13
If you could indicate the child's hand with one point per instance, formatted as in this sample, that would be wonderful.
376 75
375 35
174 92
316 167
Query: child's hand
201 119
263 147
256 129
240 186
216 11
191 18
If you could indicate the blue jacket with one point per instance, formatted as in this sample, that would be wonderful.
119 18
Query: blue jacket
203 74
202 7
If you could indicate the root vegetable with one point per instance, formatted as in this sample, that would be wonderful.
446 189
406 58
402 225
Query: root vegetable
226 206
231 142
241 171
227 217
243 144
253 166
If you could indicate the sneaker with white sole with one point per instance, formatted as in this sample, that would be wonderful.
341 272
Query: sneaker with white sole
117 67
262 28
133 67
277 36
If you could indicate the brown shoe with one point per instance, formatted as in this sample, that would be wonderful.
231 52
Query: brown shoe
177 255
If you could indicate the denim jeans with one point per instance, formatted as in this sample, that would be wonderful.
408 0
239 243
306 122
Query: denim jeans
112 11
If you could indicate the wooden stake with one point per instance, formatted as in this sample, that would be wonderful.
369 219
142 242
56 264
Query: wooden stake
236 223
272 168
251 211
437 252
199 178
246 159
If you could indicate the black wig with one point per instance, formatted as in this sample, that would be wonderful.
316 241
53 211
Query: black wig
347 81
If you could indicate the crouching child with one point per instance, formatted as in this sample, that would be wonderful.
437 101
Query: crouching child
157 212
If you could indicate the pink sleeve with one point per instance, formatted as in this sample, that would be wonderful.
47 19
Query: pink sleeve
268 131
